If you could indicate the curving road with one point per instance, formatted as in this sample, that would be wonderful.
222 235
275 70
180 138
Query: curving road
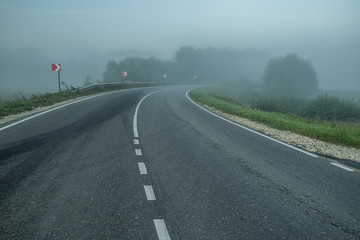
150 164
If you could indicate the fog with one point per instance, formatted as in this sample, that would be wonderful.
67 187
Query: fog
84 35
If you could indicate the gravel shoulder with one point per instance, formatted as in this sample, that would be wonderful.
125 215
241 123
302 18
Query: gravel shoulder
306 143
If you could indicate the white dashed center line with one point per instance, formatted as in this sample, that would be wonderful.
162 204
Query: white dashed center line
150 195
142 168
160 226
138 152
161 229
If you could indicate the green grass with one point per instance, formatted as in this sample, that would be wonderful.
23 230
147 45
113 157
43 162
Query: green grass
22 104
341 134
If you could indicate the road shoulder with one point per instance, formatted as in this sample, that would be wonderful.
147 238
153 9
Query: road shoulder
312 145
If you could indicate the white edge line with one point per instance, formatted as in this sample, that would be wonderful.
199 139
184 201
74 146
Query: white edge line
342 166
251 130
149 191
56 108
161 229
142 168
135 128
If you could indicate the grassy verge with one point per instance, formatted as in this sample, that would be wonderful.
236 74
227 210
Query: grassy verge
341 134
22 104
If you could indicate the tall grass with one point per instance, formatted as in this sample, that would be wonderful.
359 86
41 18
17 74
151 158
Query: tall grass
324 106
334 108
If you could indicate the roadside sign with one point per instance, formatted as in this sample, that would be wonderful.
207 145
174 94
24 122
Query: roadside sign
56 67
124 74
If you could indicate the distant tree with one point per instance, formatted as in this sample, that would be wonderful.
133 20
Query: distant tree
159 68
290 76
88 81
138 69
111 72
190 61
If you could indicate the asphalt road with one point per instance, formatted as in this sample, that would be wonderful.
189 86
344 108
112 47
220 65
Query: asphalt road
129 165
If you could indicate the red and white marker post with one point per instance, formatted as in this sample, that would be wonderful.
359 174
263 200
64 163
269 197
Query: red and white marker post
56 68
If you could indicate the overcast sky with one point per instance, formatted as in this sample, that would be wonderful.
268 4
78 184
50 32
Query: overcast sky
325 31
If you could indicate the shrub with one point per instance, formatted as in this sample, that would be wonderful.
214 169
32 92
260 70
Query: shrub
332 108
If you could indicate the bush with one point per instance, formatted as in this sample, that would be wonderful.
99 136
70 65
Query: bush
332 108
278 104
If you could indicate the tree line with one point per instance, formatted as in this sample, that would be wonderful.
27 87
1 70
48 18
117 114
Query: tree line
189 65
281 76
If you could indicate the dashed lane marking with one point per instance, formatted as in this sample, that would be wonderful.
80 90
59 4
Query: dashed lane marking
142 168
161 229
160 226
149 191
138 152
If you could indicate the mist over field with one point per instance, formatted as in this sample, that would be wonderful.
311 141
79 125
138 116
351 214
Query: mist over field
237 38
